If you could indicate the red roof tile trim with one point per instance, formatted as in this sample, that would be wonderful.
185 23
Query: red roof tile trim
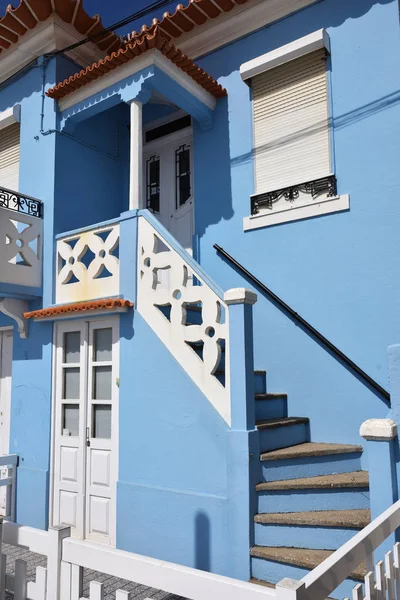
79 307
17 21
186 18
132 50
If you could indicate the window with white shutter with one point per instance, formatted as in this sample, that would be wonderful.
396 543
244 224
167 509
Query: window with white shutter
291 123
9 156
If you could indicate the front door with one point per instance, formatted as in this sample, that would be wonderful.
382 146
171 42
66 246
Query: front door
6 345
85 428
169 184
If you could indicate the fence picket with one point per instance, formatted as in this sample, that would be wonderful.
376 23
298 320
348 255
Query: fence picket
369 586
357 592
3 559
20 580
41 583
380 581
396 563
96 591
389 575
122 595
76 582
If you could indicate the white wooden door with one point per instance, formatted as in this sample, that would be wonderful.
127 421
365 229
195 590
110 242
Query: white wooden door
6 346
85 428
169 185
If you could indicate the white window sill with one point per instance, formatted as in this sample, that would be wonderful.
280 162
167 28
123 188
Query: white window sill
296 212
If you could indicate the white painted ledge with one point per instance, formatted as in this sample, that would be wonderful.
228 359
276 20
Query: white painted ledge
10 116
379 429
240 296
309 43
296 212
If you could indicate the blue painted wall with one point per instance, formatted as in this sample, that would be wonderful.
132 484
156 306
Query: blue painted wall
337 271
172 488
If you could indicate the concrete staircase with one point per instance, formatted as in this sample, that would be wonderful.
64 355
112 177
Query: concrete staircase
311 498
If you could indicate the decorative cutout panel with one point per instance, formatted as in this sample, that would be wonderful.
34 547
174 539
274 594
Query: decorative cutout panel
88 265
186 314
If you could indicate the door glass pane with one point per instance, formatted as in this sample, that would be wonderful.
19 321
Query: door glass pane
102 383
182 174
102 421
70 419
71 383
72 341
153 183
102 344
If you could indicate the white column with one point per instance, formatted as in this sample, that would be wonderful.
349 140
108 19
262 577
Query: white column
136 171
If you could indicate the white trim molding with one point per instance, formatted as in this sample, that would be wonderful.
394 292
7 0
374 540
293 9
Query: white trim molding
309 43
10 116
52 34
238 22
296 212
379 430
15 309
151 58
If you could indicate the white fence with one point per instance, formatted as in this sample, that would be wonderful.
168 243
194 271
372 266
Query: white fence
67 557
8 471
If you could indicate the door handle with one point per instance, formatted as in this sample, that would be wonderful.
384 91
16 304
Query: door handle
87 437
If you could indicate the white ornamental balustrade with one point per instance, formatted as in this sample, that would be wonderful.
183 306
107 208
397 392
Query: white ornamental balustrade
21 230
88 264
185 312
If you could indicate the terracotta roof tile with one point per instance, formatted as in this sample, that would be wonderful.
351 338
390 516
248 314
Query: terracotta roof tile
187 18
132 49
79 307
17 21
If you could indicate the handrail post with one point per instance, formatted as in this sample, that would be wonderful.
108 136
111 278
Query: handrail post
54 560
243 450
290 589
381 436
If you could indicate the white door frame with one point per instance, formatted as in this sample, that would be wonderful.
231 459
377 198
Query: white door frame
84 325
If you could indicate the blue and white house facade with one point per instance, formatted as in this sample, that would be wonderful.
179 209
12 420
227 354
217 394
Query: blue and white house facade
158 398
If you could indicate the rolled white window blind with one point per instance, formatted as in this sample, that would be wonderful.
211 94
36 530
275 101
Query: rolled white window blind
9 156
291 123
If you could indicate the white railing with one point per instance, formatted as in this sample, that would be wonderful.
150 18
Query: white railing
169 577
88 264
8 476
20 244
324 579
170 283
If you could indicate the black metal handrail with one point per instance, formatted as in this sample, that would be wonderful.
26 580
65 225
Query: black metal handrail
21 203
314 332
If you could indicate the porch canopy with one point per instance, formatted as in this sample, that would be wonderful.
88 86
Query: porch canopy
144 66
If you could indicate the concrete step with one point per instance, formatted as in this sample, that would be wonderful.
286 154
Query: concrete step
270 406
282 432
341 491
263 583
260 381
273 564
325 529
310 460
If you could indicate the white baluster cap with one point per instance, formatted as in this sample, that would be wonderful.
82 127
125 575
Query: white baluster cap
379 429
240 296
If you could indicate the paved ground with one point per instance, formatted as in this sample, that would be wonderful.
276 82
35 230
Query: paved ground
111 584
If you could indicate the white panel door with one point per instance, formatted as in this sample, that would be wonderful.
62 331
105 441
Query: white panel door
85 437
169 185
69 426
6 346
101 430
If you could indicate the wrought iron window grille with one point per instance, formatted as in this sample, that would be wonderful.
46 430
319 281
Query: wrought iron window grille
21 203
324 185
